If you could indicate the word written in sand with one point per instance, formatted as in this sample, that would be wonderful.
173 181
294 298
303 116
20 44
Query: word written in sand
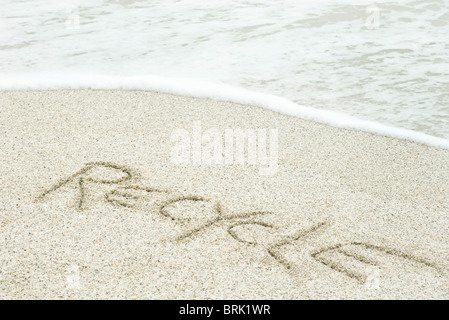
125 191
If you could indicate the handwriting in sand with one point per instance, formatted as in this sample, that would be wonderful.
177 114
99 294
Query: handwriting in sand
126 191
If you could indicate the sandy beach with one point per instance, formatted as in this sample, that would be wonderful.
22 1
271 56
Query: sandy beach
93 206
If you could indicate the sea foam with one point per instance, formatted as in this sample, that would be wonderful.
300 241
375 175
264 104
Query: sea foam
216 91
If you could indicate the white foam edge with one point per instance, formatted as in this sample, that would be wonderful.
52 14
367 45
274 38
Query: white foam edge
216 91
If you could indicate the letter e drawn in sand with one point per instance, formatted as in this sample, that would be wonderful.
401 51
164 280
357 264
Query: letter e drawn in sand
128 196
329 256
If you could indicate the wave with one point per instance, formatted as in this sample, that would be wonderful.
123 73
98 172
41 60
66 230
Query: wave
216 91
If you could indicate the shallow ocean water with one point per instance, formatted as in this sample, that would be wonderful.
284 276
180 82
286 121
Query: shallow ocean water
383 61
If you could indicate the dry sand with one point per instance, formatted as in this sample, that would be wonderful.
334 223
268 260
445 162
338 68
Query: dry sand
347 215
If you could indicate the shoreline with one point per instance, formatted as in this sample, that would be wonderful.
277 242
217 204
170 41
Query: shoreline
216 91
348 214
